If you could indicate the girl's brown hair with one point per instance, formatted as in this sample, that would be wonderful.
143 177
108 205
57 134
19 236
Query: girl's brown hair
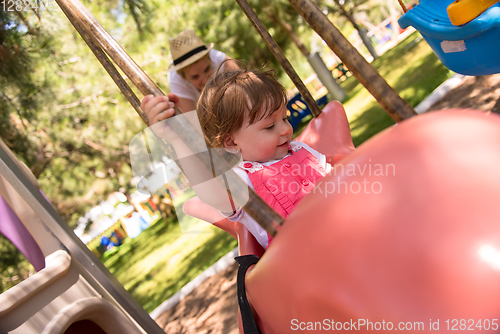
229 96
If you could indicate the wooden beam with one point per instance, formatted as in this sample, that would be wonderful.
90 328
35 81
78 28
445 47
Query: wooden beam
388 98
280 56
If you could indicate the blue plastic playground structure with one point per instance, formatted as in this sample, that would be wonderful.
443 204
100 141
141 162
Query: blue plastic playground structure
471 49
298 108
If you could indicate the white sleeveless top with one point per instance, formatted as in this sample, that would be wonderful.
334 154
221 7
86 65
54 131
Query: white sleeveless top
182 88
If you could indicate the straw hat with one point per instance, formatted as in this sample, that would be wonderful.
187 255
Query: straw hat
186 49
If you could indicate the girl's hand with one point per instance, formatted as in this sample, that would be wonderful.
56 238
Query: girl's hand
159 108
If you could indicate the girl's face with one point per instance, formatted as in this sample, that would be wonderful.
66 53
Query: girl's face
265 140
199 73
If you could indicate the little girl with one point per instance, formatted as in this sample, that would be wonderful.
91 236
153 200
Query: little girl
245 111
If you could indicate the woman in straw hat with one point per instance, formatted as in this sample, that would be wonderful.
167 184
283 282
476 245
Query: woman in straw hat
194 62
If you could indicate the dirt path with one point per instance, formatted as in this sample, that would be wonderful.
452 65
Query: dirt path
475 92
212 307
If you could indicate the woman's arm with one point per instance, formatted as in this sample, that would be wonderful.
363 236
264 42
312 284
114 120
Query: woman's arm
185 105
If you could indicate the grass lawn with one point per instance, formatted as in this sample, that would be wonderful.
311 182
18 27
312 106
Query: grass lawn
162 259
411 68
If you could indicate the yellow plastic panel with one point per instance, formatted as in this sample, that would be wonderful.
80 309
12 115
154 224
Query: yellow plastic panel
464 11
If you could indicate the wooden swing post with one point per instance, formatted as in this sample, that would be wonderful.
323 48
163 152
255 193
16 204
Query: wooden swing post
280 56
388 98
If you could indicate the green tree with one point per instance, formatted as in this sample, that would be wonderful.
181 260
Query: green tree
14 267
60 113
224 23
22 48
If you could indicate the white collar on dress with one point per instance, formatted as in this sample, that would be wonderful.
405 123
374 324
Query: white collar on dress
253 166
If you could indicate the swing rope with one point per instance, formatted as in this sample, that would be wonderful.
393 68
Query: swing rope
403 6
280 56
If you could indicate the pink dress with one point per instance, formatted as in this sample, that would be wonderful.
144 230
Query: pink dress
282 184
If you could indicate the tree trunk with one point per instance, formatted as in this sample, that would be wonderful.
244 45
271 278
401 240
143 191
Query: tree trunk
291 34
362 34
323 73
388 98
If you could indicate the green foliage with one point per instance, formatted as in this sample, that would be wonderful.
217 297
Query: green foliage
375 10
139 10
63 115
22 49
14 267
224 23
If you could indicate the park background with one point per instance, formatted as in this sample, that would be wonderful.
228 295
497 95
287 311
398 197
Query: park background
63 116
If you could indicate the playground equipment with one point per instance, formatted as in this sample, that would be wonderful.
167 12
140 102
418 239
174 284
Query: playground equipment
422 247
298 108
471 48
464 11
72 291
421 243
